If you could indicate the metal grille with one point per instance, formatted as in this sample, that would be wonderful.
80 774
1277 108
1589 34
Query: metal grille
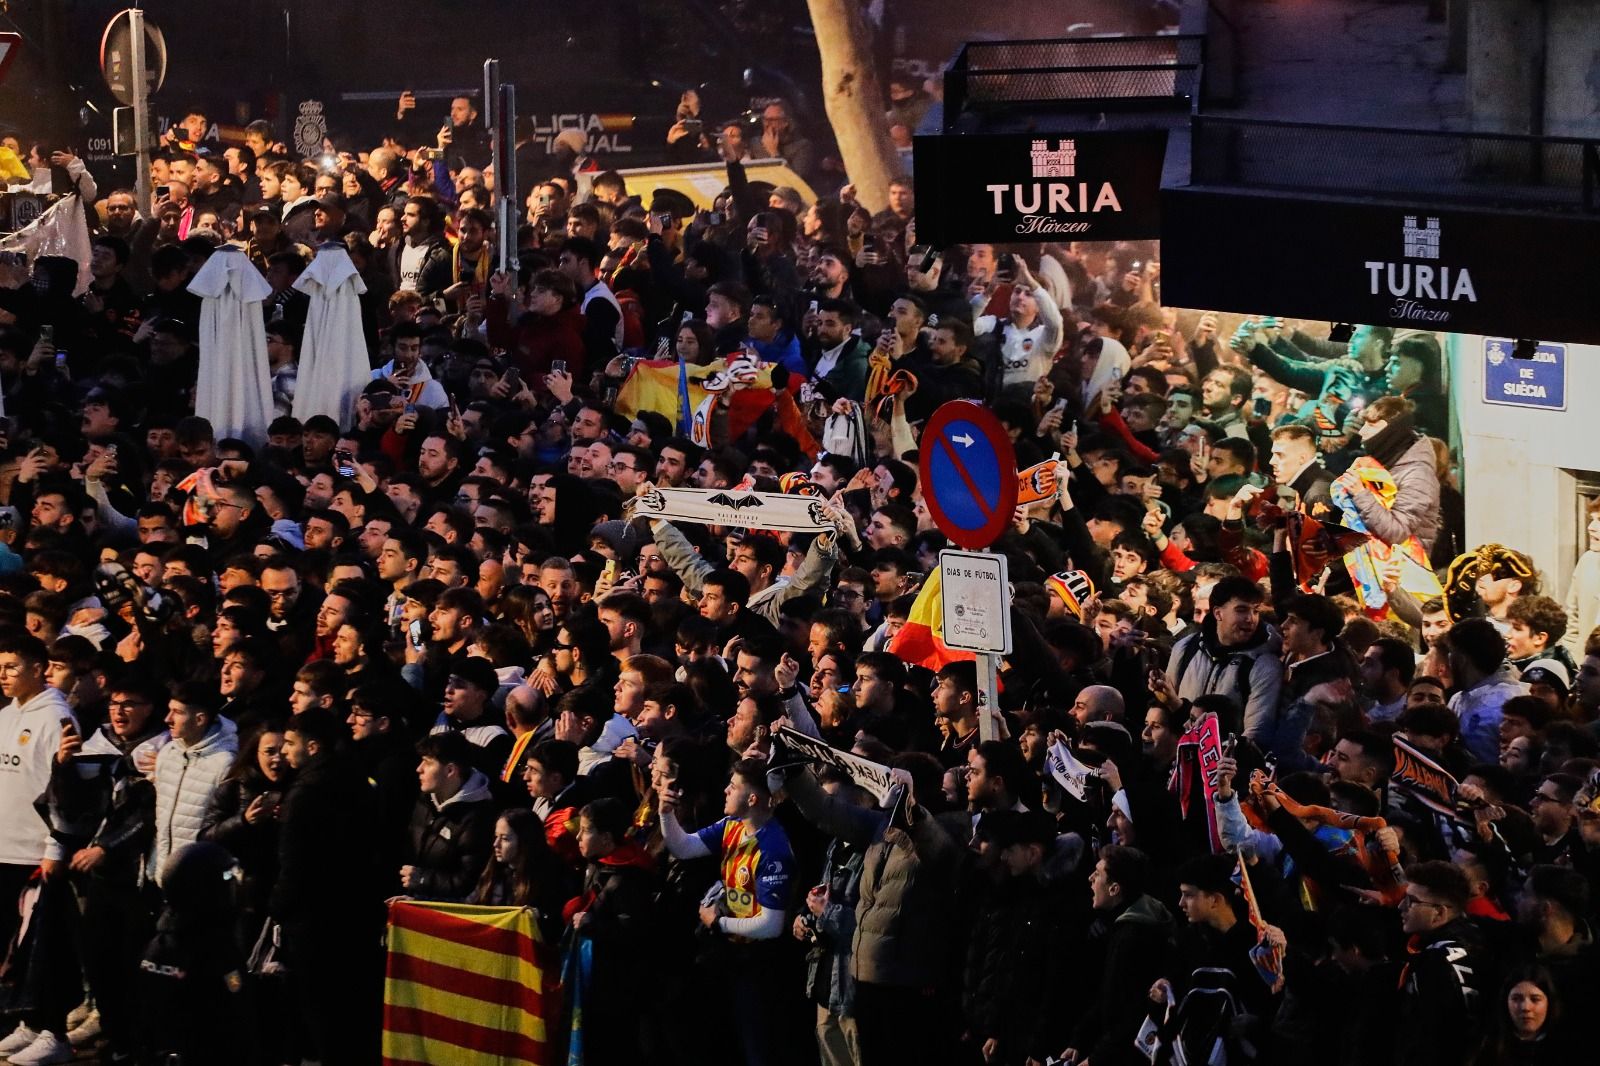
1470 168
990 87
1104 73
1082 51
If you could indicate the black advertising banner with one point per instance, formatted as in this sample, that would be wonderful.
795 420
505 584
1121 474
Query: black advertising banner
1006 188
1498 274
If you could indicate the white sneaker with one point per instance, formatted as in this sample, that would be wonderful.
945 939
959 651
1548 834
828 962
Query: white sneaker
77 1014
85 1031
46 1048
19 1039
45 1051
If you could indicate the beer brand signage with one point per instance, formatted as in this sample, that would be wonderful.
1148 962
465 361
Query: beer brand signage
1464 271
1011 188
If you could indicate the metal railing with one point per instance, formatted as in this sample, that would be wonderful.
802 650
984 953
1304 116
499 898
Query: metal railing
1483 169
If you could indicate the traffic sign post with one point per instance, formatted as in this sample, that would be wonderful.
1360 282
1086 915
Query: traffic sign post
133 58
969 482
139 85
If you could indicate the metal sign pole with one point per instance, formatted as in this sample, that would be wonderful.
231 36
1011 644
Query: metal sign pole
491 94
141 109
988 691
988 676
505 175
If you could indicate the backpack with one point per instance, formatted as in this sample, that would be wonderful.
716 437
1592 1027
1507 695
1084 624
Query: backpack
1199 1030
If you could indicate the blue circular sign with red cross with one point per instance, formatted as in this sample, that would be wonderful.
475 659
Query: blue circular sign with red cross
969 473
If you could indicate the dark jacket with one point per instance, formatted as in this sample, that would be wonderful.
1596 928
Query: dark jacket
300 221
436 269
617 897
388 764
1315 486
937 385
1442 996
907 886
849 373
1297 710
534 341
113 809
255 846
450 842
1127 951
1019 967
1322 997
326 848
828 980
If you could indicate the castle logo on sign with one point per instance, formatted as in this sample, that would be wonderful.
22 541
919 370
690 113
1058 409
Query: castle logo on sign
1418 288
1042 202
1422 242
1062 162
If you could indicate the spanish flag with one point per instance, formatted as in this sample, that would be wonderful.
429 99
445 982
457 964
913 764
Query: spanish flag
463 984
677 392
920 641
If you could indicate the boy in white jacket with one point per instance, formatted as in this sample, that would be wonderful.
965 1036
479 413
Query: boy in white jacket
30 732
203 747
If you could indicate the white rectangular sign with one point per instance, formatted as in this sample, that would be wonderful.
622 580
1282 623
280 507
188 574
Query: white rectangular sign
976 595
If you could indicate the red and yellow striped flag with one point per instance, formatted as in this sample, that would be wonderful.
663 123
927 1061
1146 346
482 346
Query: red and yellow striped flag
463 984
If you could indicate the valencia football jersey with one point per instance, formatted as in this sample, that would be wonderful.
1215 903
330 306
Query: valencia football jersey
756 866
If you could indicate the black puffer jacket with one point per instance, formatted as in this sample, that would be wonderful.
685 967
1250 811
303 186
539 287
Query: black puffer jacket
1018 975
450 843
255 846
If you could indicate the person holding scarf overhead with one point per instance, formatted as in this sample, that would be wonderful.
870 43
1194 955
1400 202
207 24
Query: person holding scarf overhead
1388 431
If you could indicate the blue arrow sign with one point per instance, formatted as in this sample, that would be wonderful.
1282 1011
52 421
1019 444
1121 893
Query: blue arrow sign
969 473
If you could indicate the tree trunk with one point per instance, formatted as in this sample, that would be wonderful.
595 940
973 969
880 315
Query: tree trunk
855 100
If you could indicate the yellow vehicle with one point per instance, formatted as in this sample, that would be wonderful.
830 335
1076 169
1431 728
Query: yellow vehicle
702 182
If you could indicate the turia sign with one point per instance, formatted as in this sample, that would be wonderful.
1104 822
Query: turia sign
1010 188
1492 273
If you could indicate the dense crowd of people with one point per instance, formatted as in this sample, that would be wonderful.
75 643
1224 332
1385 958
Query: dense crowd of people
1280 768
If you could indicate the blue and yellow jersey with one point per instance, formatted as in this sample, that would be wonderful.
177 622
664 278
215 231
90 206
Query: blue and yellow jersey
756 866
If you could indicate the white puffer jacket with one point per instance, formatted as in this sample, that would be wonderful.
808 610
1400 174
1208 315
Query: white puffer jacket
186 776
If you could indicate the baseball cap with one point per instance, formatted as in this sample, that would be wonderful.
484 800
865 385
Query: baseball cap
476 671
1548 672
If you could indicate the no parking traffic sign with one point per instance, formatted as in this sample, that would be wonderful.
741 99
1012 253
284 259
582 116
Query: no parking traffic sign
969 473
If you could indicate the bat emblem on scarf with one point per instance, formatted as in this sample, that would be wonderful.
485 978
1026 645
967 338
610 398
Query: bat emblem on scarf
723 499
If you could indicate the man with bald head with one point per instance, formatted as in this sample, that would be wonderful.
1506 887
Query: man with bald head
1098 703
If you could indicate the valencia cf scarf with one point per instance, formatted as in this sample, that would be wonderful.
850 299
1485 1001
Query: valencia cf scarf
1038 482
1423 779
1199 752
